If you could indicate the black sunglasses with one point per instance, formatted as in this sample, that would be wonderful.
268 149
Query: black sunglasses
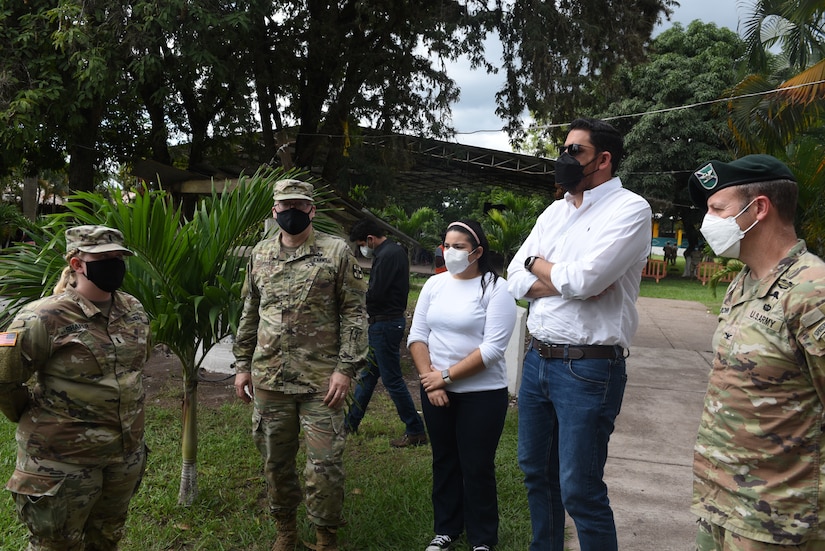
573 149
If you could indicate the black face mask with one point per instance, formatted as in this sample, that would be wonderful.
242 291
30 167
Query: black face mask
293 221
106 274
570 172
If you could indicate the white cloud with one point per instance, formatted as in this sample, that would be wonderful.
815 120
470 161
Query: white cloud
474 115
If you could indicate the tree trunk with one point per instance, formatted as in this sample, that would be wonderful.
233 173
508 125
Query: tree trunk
30 197
189 438
158 133
83 151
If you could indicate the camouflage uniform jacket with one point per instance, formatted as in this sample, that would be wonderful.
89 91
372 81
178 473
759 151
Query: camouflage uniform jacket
758 461
304 315
87 395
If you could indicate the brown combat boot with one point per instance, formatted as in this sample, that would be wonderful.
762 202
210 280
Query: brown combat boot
326 538
287 525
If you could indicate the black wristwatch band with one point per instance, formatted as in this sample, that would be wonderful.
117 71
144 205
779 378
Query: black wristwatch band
528 263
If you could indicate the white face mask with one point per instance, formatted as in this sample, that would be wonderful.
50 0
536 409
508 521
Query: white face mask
366 252
724 234
456 261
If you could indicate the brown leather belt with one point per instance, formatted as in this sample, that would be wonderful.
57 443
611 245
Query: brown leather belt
577 352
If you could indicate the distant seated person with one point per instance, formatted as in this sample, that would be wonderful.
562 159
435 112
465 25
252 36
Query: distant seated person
440 266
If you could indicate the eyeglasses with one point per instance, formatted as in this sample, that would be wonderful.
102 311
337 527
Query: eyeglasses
573 149
281 206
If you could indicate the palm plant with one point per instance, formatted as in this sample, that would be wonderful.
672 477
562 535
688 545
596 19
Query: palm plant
424 225
779 110
187 274
11 221
730 267
808 164
784 95
508 228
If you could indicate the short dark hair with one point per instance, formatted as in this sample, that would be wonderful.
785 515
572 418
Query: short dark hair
365 227
604 137
781 193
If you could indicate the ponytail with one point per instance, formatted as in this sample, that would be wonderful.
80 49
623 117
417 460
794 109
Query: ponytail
68 277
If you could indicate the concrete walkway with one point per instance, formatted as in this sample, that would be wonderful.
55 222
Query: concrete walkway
649 472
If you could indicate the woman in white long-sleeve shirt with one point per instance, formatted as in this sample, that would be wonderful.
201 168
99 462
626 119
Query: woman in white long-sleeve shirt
462 324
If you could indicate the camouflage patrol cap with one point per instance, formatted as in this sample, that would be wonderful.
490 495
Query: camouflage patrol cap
95 239
292 189
715 175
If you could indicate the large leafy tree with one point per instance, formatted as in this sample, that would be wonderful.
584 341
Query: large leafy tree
136 75
778 107
557 54
676 121
97 82
62 70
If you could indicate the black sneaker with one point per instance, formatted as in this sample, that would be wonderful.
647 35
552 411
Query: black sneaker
442 543
482 548
410 440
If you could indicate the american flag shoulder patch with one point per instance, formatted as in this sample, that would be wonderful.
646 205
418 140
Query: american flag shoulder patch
8 338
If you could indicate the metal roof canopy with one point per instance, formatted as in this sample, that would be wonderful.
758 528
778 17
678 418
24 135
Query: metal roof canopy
435 165
438 164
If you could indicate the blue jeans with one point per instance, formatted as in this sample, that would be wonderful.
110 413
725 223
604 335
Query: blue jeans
384 360
566 413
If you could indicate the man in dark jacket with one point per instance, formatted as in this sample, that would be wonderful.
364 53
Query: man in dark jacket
389 286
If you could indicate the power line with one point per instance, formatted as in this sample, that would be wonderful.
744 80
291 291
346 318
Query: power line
664 110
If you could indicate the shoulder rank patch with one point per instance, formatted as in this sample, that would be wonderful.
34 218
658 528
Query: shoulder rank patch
815 321
8 338
357 272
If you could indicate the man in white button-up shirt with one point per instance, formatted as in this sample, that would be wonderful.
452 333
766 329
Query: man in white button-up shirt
580 269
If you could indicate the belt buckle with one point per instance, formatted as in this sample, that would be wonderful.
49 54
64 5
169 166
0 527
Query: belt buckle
545 350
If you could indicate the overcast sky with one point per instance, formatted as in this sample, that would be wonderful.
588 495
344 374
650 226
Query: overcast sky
474 115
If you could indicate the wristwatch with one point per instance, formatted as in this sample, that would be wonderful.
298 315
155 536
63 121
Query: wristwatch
445 374
528 263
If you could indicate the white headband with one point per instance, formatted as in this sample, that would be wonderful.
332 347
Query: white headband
466 227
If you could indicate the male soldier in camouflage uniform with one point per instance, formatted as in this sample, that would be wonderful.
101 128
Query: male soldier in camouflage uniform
302 337
759 483
80 447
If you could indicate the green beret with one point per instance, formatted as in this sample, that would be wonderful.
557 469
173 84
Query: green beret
714 175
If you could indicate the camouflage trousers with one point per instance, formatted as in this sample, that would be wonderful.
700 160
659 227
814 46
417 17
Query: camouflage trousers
711 537
277 421
69 507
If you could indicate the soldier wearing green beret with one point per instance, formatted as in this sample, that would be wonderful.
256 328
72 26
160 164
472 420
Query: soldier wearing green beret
71 368
301 339
759 483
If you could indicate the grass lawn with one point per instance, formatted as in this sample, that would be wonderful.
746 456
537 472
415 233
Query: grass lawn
387 491
675 287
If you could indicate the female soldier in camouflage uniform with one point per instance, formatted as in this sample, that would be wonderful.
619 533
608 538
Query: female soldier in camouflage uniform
81 452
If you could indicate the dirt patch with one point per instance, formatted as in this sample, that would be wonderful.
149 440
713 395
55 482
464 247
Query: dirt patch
163 383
